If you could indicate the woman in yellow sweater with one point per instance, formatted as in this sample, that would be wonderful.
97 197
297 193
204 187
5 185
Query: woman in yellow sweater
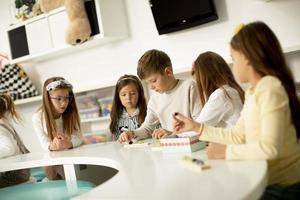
269 125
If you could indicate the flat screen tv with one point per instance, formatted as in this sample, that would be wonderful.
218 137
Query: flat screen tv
175 15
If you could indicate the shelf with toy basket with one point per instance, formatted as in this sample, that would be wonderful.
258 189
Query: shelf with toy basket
60 30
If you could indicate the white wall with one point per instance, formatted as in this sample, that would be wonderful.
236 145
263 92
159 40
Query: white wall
102 64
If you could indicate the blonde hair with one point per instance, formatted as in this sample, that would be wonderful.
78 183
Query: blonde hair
70 117
7 106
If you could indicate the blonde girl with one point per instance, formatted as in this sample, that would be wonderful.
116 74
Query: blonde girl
57 122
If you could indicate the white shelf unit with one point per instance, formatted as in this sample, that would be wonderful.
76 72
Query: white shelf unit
292 49
96 119
44 34
28 100
91 106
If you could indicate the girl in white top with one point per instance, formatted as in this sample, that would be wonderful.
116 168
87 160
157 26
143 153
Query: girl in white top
10 142
57 122
220 94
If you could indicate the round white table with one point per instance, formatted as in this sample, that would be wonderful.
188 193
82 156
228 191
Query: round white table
146 174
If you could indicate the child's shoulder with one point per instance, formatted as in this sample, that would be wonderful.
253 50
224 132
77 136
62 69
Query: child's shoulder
37 116
188 83
269 83
4 128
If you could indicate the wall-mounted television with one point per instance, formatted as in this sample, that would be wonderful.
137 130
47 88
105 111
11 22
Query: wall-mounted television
175 15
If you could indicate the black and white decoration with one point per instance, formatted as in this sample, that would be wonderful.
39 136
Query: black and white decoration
14 81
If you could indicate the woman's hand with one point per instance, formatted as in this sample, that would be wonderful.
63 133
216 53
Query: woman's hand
184 124
216 151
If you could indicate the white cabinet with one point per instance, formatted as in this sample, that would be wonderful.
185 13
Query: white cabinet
38 36
58 23
44 34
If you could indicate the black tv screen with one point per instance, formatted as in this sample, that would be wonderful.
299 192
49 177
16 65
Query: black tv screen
175 15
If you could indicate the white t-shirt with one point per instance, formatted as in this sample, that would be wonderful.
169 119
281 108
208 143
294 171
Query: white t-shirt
8 145
219 110
183 98
41 131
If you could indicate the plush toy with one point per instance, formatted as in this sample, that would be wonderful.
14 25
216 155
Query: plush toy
44 6
79 29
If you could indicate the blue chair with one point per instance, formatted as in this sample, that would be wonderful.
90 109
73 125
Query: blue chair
38 173
52 190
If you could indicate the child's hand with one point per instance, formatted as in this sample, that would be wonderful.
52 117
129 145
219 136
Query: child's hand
160 133
184 124
53 146
216 151
60 142
125 137
64 142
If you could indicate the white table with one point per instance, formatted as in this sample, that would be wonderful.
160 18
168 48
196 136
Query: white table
146 174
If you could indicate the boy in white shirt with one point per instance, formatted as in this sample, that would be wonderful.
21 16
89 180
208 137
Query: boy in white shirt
170 94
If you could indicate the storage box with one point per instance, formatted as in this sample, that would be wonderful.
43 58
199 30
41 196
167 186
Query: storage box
185 143
105 105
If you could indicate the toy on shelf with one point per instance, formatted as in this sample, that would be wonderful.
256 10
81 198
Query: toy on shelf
24 9
79 29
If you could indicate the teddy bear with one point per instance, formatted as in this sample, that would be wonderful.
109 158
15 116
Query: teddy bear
79 29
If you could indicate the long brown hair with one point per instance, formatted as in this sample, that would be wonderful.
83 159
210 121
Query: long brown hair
212 72
263 51
117 107
7 106
70 117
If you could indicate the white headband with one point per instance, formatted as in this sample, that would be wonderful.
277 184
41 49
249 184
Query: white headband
126 78
53 85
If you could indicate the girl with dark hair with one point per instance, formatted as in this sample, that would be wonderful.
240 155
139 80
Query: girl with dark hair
129 106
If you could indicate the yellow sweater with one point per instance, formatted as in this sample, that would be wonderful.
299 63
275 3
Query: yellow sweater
264 131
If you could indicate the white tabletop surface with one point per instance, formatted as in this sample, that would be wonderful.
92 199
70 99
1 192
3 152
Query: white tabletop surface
146 174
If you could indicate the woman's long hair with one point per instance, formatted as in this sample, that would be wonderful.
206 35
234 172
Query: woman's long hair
263 51
212 72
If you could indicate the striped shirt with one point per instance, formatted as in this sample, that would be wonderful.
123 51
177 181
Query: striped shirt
127 122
